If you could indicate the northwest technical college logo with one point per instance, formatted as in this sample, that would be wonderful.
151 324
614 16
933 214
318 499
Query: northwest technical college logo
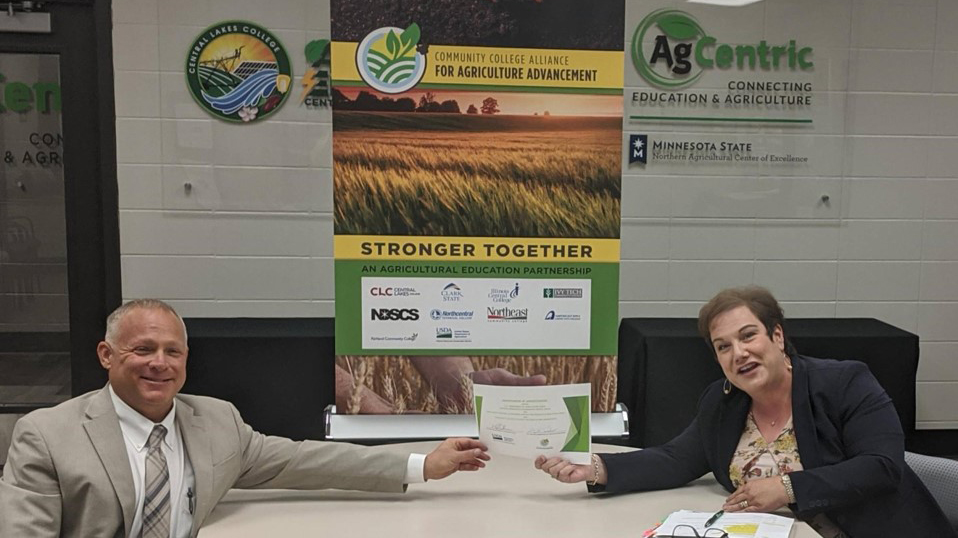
638 148
238 71
388 61
679 65
316 86
394 314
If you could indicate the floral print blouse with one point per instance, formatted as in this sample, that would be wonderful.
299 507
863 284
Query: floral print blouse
756 458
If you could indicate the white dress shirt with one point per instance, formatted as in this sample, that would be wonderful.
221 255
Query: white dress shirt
136 431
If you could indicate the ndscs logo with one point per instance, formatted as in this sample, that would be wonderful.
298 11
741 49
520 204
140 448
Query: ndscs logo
394 314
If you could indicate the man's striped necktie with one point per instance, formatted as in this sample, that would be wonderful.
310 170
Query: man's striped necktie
156 505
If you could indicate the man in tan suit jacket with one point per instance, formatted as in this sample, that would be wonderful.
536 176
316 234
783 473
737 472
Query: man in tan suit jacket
68 472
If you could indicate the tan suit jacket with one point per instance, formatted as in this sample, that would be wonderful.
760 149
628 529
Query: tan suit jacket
68 474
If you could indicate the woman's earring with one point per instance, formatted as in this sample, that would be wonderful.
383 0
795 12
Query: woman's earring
727 386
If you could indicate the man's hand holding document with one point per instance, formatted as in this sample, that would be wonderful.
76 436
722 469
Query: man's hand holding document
536 421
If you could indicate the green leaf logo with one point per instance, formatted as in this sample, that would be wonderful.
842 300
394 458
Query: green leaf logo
388 61
410 36
678 26
316 50
674 24
392 44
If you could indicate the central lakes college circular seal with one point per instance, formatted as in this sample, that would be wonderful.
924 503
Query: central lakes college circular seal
238 71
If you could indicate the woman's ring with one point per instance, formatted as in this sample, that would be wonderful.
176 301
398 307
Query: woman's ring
743 504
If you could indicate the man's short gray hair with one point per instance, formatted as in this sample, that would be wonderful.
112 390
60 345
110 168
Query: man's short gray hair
114 319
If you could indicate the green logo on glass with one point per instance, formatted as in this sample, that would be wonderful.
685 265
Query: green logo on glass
682 51
238 71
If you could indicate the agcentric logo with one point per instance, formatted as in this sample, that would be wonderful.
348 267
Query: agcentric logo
677 56
238 71
675 71
388 61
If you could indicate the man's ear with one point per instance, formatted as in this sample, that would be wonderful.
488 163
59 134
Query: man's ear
105 353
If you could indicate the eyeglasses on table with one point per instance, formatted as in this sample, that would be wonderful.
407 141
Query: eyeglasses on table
688 531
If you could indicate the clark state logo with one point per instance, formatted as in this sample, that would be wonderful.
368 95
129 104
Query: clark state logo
677 66
388 61
238 71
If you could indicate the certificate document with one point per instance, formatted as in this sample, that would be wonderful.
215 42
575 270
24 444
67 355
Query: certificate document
550 420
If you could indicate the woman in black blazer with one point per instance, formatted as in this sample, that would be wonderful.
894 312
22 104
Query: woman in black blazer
819 436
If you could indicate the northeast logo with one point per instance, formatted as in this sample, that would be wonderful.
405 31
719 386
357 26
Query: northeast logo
238 71
316 87
388 60
507 314
638 148
394 314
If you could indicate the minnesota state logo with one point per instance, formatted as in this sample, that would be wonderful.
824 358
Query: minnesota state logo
238 71
388 59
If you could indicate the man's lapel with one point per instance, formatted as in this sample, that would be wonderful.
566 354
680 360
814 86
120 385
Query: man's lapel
103 428
199 448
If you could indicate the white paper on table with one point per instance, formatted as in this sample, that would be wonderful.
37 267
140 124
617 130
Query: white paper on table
551 420
737 524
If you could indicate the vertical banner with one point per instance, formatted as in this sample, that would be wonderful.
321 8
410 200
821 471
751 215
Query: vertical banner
477 184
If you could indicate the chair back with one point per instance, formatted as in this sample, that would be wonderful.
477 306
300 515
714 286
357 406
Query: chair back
940 476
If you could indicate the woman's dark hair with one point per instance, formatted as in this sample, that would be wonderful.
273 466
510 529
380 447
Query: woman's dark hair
757 299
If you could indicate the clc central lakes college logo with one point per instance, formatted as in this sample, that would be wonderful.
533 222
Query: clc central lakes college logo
393 291
238 71
671 50
388 59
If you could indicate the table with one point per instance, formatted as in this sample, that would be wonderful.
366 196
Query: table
508 498
664 365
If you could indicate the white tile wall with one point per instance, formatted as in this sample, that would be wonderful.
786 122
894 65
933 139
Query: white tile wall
886 70
878 281
252 237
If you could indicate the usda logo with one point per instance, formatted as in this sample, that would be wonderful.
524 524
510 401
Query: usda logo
388 61
682 51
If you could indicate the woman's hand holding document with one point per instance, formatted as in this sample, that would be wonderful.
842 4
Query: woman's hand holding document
535 421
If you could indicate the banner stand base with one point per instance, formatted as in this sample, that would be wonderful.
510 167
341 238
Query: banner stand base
410 427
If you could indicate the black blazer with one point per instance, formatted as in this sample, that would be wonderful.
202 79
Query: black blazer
849 439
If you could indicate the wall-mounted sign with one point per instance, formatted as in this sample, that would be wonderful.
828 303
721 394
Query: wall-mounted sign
695 75
238 71
315 83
